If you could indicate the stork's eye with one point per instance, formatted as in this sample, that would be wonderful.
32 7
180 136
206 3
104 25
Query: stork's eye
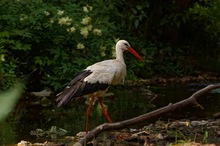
126 45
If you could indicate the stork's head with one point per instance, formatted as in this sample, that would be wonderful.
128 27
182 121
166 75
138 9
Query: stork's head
125 46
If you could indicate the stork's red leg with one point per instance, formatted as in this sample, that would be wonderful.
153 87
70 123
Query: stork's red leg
87 113
103 110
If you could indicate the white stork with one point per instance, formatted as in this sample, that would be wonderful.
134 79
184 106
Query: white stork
95 80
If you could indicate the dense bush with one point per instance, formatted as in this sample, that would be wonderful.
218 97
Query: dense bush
186 34
47 42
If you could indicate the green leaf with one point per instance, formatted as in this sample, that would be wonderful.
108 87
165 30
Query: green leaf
136 23
4 34
38 61
8 100
139 7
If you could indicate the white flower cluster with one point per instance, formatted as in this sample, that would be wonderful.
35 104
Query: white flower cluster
2 58
87 8
84 27
85 31
80 46
65 21
71 29
46 13
51 21
60 12
86 20
97 32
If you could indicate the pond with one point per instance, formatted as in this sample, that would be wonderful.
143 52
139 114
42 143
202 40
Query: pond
127 102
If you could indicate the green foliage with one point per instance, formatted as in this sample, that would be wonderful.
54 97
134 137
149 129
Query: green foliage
51 40
205 138
7 69
185 36
48 42
205 24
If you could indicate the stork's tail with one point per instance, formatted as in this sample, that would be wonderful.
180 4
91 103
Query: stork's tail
59 99
64 96
74 89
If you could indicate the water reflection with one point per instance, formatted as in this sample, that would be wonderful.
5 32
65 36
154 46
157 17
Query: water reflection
174 93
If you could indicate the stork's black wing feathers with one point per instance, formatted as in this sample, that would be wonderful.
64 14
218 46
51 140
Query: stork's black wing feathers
77 87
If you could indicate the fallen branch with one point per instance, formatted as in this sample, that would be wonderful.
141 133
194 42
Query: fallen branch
119 125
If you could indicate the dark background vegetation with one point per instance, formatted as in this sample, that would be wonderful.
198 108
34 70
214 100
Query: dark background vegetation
175 37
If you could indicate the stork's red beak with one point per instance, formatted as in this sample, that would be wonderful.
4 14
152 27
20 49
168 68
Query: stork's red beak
132 51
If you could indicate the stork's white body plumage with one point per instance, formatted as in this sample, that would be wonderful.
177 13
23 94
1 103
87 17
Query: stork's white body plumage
95 80
110 72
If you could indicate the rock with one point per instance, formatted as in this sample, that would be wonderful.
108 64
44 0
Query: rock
217 115
24 143
43 93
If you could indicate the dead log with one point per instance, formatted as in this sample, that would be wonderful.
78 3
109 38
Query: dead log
122 124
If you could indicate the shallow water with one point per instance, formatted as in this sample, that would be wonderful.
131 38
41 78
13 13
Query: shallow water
127 102
175 93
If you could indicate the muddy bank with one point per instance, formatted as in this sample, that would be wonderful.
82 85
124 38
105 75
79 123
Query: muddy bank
205 77
182 132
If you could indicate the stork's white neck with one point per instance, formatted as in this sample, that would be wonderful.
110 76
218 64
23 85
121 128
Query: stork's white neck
119 54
